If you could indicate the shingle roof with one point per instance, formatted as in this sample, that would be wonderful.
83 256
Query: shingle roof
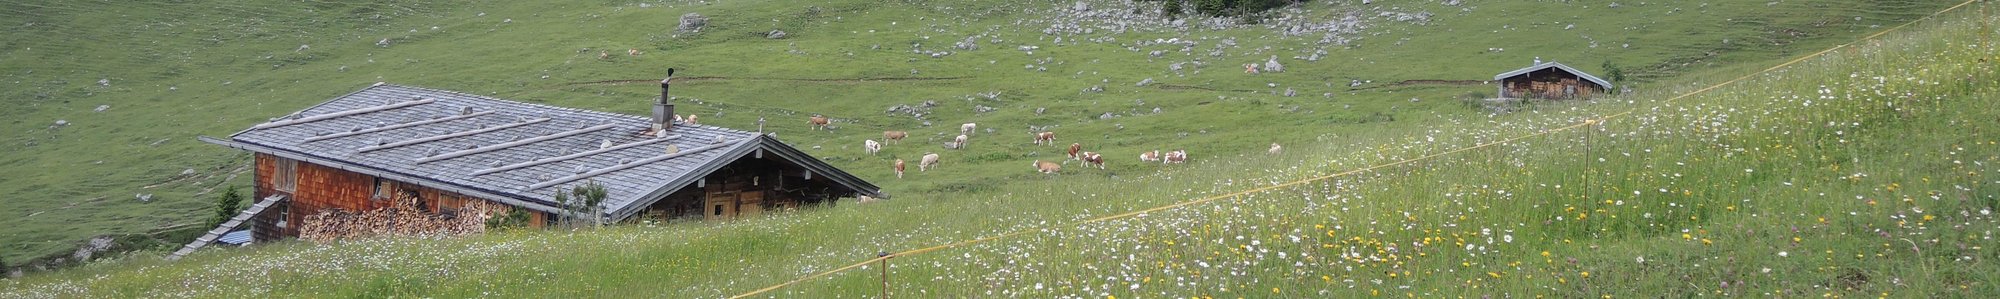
1552 64
514 152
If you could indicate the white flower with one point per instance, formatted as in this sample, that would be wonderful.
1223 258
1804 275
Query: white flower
1642 259
1508 238
1784 254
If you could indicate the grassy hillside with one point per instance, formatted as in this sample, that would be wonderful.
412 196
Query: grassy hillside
1825 178
166 72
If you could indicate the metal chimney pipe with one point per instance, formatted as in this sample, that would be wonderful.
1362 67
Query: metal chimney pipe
663 111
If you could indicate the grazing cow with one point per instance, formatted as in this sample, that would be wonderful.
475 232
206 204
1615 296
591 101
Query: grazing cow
1047 167
1176 157
1150 156
632 52
871 146
1276 149
899 168
958 143
819 122
894 136
1091 158
1048 138
864 199
601 55
693 119
930 161
967 128
1073 148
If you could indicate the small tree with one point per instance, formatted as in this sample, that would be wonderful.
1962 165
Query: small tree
1172 8
227 206
592 194
1612 70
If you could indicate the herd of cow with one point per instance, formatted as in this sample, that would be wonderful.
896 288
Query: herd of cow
1075 153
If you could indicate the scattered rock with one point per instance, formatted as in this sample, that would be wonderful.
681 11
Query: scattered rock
1143 83
1291 93
692 22
104 82
101 108
61 123
187 172
1038 111
1273 66
92 247
776 34
384 43
144 197
1107 115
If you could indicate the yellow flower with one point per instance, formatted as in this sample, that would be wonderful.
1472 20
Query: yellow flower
1493 274
1586 274
1685 236
1705 241
1545 253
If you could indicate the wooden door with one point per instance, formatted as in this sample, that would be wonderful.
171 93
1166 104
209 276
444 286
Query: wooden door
719 206
750 204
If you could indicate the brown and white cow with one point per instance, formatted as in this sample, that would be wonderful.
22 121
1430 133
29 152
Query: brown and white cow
894 136
899 168
1073 148
871 146
958 143
693 119
1048 138
1150 156
1092 158
929 161
1047 167
1176 157
1276 149
819 122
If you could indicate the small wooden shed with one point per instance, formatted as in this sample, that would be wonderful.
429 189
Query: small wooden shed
450 150
1550 80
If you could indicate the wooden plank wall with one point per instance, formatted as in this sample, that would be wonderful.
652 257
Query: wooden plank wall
321 187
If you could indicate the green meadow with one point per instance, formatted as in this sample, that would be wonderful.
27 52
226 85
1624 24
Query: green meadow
1860 172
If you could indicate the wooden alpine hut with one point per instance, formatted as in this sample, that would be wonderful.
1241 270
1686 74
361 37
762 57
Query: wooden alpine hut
1549 80
447 151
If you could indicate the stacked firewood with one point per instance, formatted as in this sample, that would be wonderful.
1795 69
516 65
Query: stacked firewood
405 218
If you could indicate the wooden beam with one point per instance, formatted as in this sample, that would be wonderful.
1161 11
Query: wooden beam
629 165
573 156
393 127
341 113
452 135
513 143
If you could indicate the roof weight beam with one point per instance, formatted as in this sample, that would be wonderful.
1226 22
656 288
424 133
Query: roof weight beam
573 156
341 114
513 143
399 126
452 135
628 165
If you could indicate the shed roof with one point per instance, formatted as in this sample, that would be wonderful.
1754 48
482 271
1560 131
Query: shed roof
512 152
1552 64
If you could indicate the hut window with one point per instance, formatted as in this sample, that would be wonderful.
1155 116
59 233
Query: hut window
381 188
285 176
718 210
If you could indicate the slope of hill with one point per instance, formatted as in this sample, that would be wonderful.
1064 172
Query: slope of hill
104 99
1823 178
